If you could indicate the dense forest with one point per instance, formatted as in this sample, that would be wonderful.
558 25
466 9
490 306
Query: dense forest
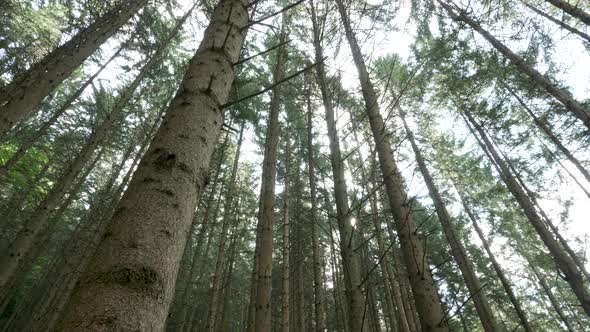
294 165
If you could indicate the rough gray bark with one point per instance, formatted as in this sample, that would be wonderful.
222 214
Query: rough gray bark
225 226
135 265
564 262
267 199
425 293
550 87
458 251
27 91
573 10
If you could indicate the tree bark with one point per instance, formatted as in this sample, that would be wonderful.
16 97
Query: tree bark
550 87
561 258
26 92
135 266
574 11
458 251
425 293
267 199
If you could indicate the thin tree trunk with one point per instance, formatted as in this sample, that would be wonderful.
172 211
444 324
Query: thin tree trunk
135 266
554 302
428 303
285 298
31 140
561 258
476 291
227 211
551 136
550 87
318 263
560 23
26 92
520 312
574 11
266 217
348 240
395 317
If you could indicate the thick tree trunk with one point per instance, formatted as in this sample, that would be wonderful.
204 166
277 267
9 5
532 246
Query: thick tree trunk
267 199
561 258
425 293
348 240
476 291
550 87
318 262
26 92
285 324
574 11
520 312
135 266
225 225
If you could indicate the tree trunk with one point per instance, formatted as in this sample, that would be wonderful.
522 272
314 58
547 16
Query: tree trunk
285 324
348 240
561 24
551 88
554 302
561 258
394 315
227 214
476 291
267 199
520 312
551 136
574 11
425 293
135 266
318 262
31 140
26 92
